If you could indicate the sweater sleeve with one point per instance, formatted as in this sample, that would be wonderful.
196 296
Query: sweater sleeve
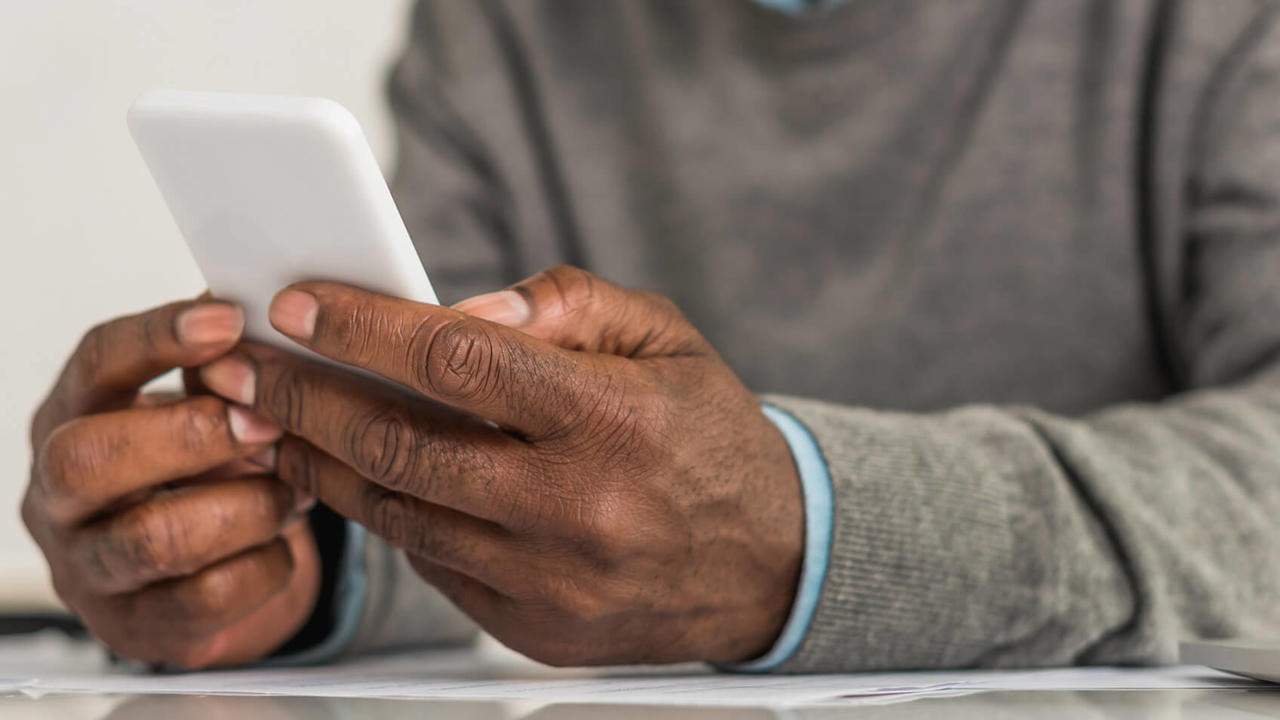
464 156
1009 536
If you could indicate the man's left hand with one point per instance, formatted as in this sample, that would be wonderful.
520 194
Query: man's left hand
581 473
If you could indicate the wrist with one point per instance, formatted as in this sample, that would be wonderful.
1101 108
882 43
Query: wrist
815 483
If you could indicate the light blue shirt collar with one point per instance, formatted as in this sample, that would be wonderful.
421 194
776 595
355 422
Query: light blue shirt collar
797 7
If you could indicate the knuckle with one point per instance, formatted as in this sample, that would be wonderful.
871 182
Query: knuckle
574 288
94 346
295 465
578 602
154 330
521 512
65 459
153 542
100 570
459 361
285 396
384 445
265 499
670 331
198 424
609 527
364 330
388 515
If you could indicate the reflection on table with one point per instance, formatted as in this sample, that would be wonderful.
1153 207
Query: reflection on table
1160 704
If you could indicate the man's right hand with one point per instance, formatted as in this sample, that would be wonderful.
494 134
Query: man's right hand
162 524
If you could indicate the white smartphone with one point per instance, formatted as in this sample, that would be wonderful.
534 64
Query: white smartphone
269 190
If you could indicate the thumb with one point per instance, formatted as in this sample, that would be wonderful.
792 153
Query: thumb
576 310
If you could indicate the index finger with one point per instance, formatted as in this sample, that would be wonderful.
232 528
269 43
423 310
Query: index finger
93 462
481 367
116 358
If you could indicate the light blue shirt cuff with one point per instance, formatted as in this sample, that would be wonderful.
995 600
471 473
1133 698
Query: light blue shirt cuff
348 604
819 506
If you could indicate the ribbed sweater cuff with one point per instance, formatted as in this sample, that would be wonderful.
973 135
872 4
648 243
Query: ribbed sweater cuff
916 533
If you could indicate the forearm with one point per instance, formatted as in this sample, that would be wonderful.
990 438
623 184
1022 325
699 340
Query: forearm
1007 536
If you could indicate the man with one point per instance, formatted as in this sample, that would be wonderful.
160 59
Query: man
1007 268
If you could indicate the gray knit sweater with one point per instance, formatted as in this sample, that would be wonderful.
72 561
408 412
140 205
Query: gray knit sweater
1015 264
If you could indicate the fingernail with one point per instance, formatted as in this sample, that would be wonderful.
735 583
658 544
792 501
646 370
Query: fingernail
250 428
210 324
231 377
303 501
505 307
293 313
264 458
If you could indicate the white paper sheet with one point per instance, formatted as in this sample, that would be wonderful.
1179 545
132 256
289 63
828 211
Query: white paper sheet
49 665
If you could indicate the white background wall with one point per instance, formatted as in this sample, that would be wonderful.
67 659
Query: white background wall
84 234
